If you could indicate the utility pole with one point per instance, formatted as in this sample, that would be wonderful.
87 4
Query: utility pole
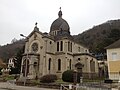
26 62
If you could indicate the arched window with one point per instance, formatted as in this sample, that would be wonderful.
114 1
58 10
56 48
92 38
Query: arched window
59 64
92 66
57 46
70 64
71 47
25 68
68 46
49 64
61 46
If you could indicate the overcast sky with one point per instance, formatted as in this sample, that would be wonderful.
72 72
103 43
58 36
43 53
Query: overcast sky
19 16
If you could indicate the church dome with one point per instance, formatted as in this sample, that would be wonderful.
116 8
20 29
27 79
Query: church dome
59 24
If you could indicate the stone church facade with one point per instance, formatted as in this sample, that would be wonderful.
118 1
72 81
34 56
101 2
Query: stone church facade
55 52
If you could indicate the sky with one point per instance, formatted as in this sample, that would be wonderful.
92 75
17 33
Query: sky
19 16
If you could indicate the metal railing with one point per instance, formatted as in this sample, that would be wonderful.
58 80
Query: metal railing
82 87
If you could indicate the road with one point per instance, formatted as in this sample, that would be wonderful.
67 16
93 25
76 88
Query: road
9 86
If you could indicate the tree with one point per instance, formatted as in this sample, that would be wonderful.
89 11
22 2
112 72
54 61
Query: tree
19 59
114 35
67 76
49 78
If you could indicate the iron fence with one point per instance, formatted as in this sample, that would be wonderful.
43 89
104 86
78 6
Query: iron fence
83 87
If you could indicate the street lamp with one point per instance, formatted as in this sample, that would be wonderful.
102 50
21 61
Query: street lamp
25 62
74 79
23 35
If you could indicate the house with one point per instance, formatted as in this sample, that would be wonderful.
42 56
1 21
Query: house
3 67
2 64
11 62
56 52
113 59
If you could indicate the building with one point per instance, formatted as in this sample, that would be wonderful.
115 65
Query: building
56 52
11 62
3 67
2 64
113 59
102 64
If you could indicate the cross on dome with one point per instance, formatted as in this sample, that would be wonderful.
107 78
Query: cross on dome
36 24
60 13
60 8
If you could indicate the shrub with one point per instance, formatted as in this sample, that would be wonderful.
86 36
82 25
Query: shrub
48 78
67 76
14 71
108 81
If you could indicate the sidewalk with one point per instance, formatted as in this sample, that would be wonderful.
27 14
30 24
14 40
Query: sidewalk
6 85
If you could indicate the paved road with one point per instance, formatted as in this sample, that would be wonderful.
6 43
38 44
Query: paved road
6 86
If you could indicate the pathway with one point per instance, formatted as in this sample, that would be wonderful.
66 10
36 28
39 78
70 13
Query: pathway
6 85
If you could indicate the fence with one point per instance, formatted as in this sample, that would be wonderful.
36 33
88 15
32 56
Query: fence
89 75
82 87
114 75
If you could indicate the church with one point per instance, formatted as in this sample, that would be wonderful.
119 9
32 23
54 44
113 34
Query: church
56 52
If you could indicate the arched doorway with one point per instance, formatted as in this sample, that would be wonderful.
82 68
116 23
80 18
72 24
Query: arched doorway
92 69
25 68
79 67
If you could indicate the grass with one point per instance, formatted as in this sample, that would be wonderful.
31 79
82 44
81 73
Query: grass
93 80
35 81
9 78
60 81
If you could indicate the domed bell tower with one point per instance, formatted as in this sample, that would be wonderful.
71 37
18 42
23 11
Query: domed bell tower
59 26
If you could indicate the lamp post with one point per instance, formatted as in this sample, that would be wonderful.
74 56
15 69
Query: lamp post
74 79
25 62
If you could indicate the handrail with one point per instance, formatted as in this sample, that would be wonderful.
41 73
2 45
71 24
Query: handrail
64 88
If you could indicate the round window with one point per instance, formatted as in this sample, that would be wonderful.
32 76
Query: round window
35 47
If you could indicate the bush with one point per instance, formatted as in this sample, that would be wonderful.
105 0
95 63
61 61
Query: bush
67 76
48 78
14 71
108 81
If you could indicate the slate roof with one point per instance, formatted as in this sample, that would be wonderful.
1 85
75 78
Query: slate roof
114 45
60 24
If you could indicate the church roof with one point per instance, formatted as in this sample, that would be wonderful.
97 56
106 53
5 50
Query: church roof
114 45
81 54
36 29
59 23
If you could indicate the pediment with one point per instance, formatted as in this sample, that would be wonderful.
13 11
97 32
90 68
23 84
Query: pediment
36 30
79 65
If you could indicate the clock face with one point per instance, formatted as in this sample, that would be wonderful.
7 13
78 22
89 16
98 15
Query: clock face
35 47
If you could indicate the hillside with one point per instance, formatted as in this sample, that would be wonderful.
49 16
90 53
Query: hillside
95 39
10 50
100 36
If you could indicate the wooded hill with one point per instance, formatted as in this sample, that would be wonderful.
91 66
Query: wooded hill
100 36
11 50
96 39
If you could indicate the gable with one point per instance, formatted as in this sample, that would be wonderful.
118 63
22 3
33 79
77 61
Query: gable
36 30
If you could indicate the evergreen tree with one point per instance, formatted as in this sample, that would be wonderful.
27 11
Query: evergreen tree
19 59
